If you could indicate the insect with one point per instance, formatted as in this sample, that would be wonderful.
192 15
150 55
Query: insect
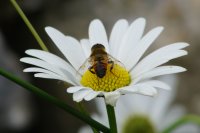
98 61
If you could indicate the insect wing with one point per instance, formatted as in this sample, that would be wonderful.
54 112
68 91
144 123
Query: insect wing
111 58
84 67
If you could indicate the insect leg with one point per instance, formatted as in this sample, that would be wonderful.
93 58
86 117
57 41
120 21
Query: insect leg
112 65
90 69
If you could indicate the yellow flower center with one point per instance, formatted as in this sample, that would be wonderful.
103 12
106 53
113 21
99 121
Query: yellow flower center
114 78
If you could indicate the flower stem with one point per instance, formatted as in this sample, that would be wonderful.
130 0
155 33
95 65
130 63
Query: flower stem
111 118
185 119
29 25
55 101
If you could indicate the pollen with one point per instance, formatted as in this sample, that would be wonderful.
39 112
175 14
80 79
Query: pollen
115 77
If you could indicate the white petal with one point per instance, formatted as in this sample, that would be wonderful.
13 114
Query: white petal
97 34
147 90
157 84
74 89
161 102
143 89
40 63
68 75
44 71
175 46
134 104
91 95
37 62
158 71
79 95
135 54
131 38
169 49
69 46
155 59
175 54
41 70
176 112
171 114
116 36
50 58
86 47
48 76
111 97
165 58
160 56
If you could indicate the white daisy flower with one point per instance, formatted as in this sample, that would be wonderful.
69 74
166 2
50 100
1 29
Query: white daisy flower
142 114
108 78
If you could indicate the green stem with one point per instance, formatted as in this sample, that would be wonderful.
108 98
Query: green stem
111 118
29 25
55 101
185 119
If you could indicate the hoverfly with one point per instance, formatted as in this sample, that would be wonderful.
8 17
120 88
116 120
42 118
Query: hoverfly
98 61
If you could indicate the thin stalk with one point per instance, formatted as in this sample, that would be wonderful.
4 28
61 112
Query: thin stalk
180 122
55 101
111 118
29 25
